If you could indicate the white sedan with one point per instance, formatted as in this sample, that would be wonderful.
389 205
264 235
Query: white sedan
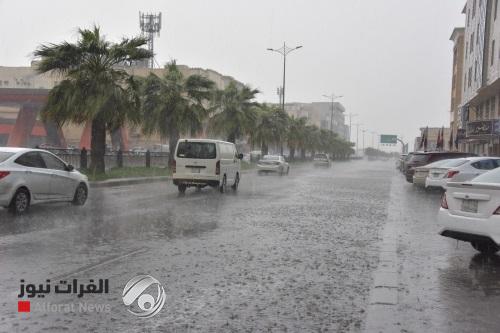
470 212
32 176
273 163
460 169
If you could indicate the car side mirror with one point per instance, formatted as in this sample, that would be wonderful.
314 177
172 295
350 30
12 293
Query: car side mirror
240 156
70 168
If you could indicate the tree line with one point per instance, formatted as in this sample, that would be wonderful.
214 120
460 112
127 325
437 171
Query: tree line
96 88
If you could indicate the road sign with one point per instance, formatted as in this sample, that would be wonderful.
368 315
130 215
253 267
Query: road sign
388 138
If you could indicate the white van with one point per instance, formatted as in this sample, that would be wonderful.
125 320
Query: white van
202 162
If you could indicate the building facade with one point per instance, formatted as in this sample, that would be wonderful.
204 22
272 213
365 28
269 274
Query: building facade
23 93
324 115
475 110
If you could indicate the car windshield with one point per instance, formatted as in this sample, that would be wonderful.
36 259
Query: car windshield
271 158
198 150
5 155
419 158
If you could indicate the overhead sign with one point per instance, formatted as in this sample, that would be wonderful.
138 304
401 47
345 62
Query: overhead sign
388 138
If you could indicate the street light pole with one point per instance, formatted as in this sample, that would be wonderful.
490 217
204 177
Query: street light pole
284 51
363 140
332 97
357 136
350 123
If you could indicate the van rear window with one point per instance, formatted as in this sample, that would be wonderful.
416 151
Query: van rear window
201 150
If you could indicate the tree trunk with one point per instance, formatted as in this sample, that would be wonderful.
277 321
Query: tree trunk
172 145
232 137
264 149
303 154
97 146
292 153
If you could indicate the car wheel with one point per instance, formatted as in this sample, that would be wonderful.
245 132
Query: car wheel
81 195
236 182
181 188
20 202
222 187
485 247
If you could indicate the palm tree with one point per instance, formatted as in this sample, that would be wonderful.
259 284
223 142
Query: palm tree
295 134
235 112
174 104
95 87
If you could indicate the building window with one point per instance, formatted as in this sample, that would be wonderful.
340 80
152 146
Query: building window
471 43
495 10
492 52
475 70
492 106
474 8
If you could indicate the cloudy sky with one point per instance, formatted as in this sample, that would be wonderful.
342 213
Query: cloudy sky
391 59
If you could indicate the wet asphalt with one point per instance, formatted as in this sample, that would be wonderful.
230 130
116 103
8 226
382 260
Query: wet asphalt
292 253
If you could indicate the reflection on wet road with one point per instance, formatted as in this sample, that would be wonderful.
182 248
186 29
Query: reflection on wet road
292 253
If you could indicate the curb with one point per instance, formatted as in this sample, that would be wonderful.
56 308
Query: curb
138 180
383 300
128 181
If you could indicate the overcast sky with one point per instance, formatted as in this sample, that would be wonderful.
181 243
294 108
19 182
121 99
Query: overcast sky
391 59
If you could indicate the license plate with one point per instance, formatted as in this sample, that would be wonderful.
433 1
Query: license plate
469 206
195 170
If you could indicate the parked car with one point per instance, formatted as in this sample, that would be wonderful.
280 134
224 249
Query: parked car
422 172
273 163
469 168
202 162
404 159
34 176
322 160
436 177
422 158
470 212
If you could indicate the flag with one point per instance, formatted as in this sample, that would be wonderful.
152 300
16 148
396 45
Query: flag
421 139
450 142
425 137
438 142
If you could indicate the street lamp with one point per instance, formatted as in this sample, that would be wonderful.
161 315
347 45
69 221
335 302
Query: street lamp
357 136
363 140
332 97
373 133
284 51
350 123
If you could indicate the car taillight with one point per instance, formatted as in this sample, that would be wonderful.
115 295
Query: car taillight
451 173
217 168
4 174
444 203
174 166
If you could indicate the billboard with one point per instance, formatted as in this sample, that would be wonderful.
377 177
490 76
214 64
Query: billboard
388 139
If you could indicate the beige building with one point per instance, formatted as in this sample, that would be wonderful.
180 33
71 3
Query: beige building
19 86
321 115
457 37
432 137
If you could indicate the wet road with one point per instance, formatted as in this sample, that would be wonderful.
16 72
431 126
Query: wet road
293 253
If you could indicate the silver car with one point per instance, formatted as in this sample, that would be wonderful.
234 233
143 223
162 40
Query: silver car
33 176
273 163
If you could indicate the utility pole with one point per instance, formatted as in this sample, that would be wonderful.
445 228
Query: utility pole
357 136
363 140
284 51
350 123
332 97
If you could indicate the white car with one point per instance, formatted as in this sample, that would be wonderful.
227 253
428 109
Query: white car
320 160
470 211
203 162
33 176
460 170
273 163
